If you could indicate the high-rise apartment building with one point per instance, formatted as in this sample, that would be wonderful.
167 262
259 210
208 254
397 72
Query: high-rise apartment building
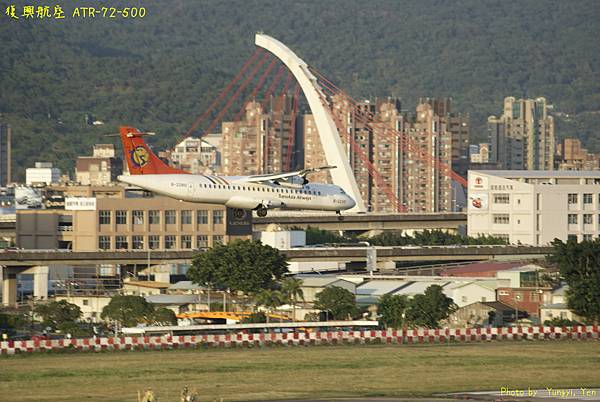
523 136
5 154
392 145
261 141
427 187
458 126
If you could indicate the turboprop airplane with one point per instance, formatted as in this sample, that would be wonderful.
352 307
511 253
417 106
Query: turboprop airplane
259 192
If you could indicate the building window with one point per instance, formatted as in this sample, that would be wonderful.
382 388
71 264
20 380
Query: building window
202 217
104 217
587 198
137 242
138 217
572 198
587 237
104 242
154 217
572 219
154 242
218 239
170 217
588 219
572 237
501 219
186 241
121 243
501 198
121 217
217 217
186 217
202 241
169 242
85 302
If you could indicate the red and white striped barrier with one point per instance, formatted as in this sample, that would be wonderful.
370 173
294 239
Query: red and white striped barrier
404 336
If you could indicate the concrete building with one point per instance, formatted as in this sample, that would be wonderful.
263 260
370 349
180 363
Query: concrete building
555 306
42 173
426 187
394 146
570 155
261 142
534 207
483 314
101 168
196 156
90 305
145 288
5 154
529 299
109 218
458 126
523 136
313 285
482 154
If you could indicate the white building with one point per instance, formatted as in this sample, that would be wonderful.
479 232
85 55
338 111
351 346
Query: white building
196 156
556 306
43 172
534 207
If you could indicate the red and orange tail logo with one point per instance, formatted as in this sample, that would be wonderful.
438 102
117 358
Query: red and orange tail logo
140 159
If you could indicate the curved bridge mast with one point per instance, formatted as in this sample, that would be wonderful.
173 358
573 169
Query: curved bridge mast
328 133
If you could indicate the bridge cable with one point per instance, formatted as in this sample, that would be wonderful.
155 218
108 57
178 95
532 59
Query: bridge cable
222 95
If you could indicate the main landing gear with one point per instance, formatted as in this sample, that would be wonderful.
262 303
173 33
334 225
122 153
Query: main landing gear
339 214
261 211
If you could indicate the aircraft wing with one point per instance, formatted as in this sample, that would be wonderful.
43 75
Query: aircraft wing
279 176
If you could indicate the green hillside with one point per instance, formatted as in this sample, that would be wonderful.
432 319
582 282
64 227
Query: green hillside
162 71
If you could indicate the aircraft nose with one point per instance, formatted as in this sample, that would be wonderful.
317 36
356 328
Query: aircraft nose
350 203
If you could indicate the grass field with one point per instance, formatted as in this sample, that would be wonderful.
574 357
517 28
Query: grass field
300 372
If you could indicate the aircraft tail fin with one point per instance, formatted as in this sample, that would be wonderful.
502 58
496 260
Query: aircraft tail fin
140 159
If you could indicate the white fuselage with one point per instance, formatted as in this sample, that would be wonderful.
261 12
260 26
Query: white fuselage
237 192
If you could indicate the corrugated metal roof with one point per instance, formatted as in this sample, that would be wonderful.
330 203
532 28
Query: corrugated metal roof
320 281
416 288
186 285
482 267
148 284
172 299
379 288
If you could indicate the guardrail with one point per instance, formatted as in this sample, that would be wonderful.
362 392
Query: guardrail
406 336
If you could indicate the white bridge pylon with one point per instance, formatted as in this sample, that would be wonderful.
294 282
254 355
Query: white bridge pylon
328 133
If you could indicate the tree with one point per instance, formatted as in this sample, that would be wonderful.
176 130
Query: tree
164 316
128 310
58 313
292 291
338 302
392 309
579 265
270 299
255 318
428 309
243 265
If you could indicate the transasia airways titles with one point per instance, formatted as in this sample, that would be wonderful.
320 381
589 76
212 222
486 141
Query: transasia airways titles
260 192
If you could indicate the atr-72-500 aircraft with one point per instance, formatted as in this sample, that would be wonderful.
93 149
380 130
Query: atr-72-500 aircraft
261 192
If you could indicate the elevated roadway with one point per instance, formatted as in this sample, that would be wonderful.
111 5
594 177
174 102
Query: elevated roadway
25 258
450 221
